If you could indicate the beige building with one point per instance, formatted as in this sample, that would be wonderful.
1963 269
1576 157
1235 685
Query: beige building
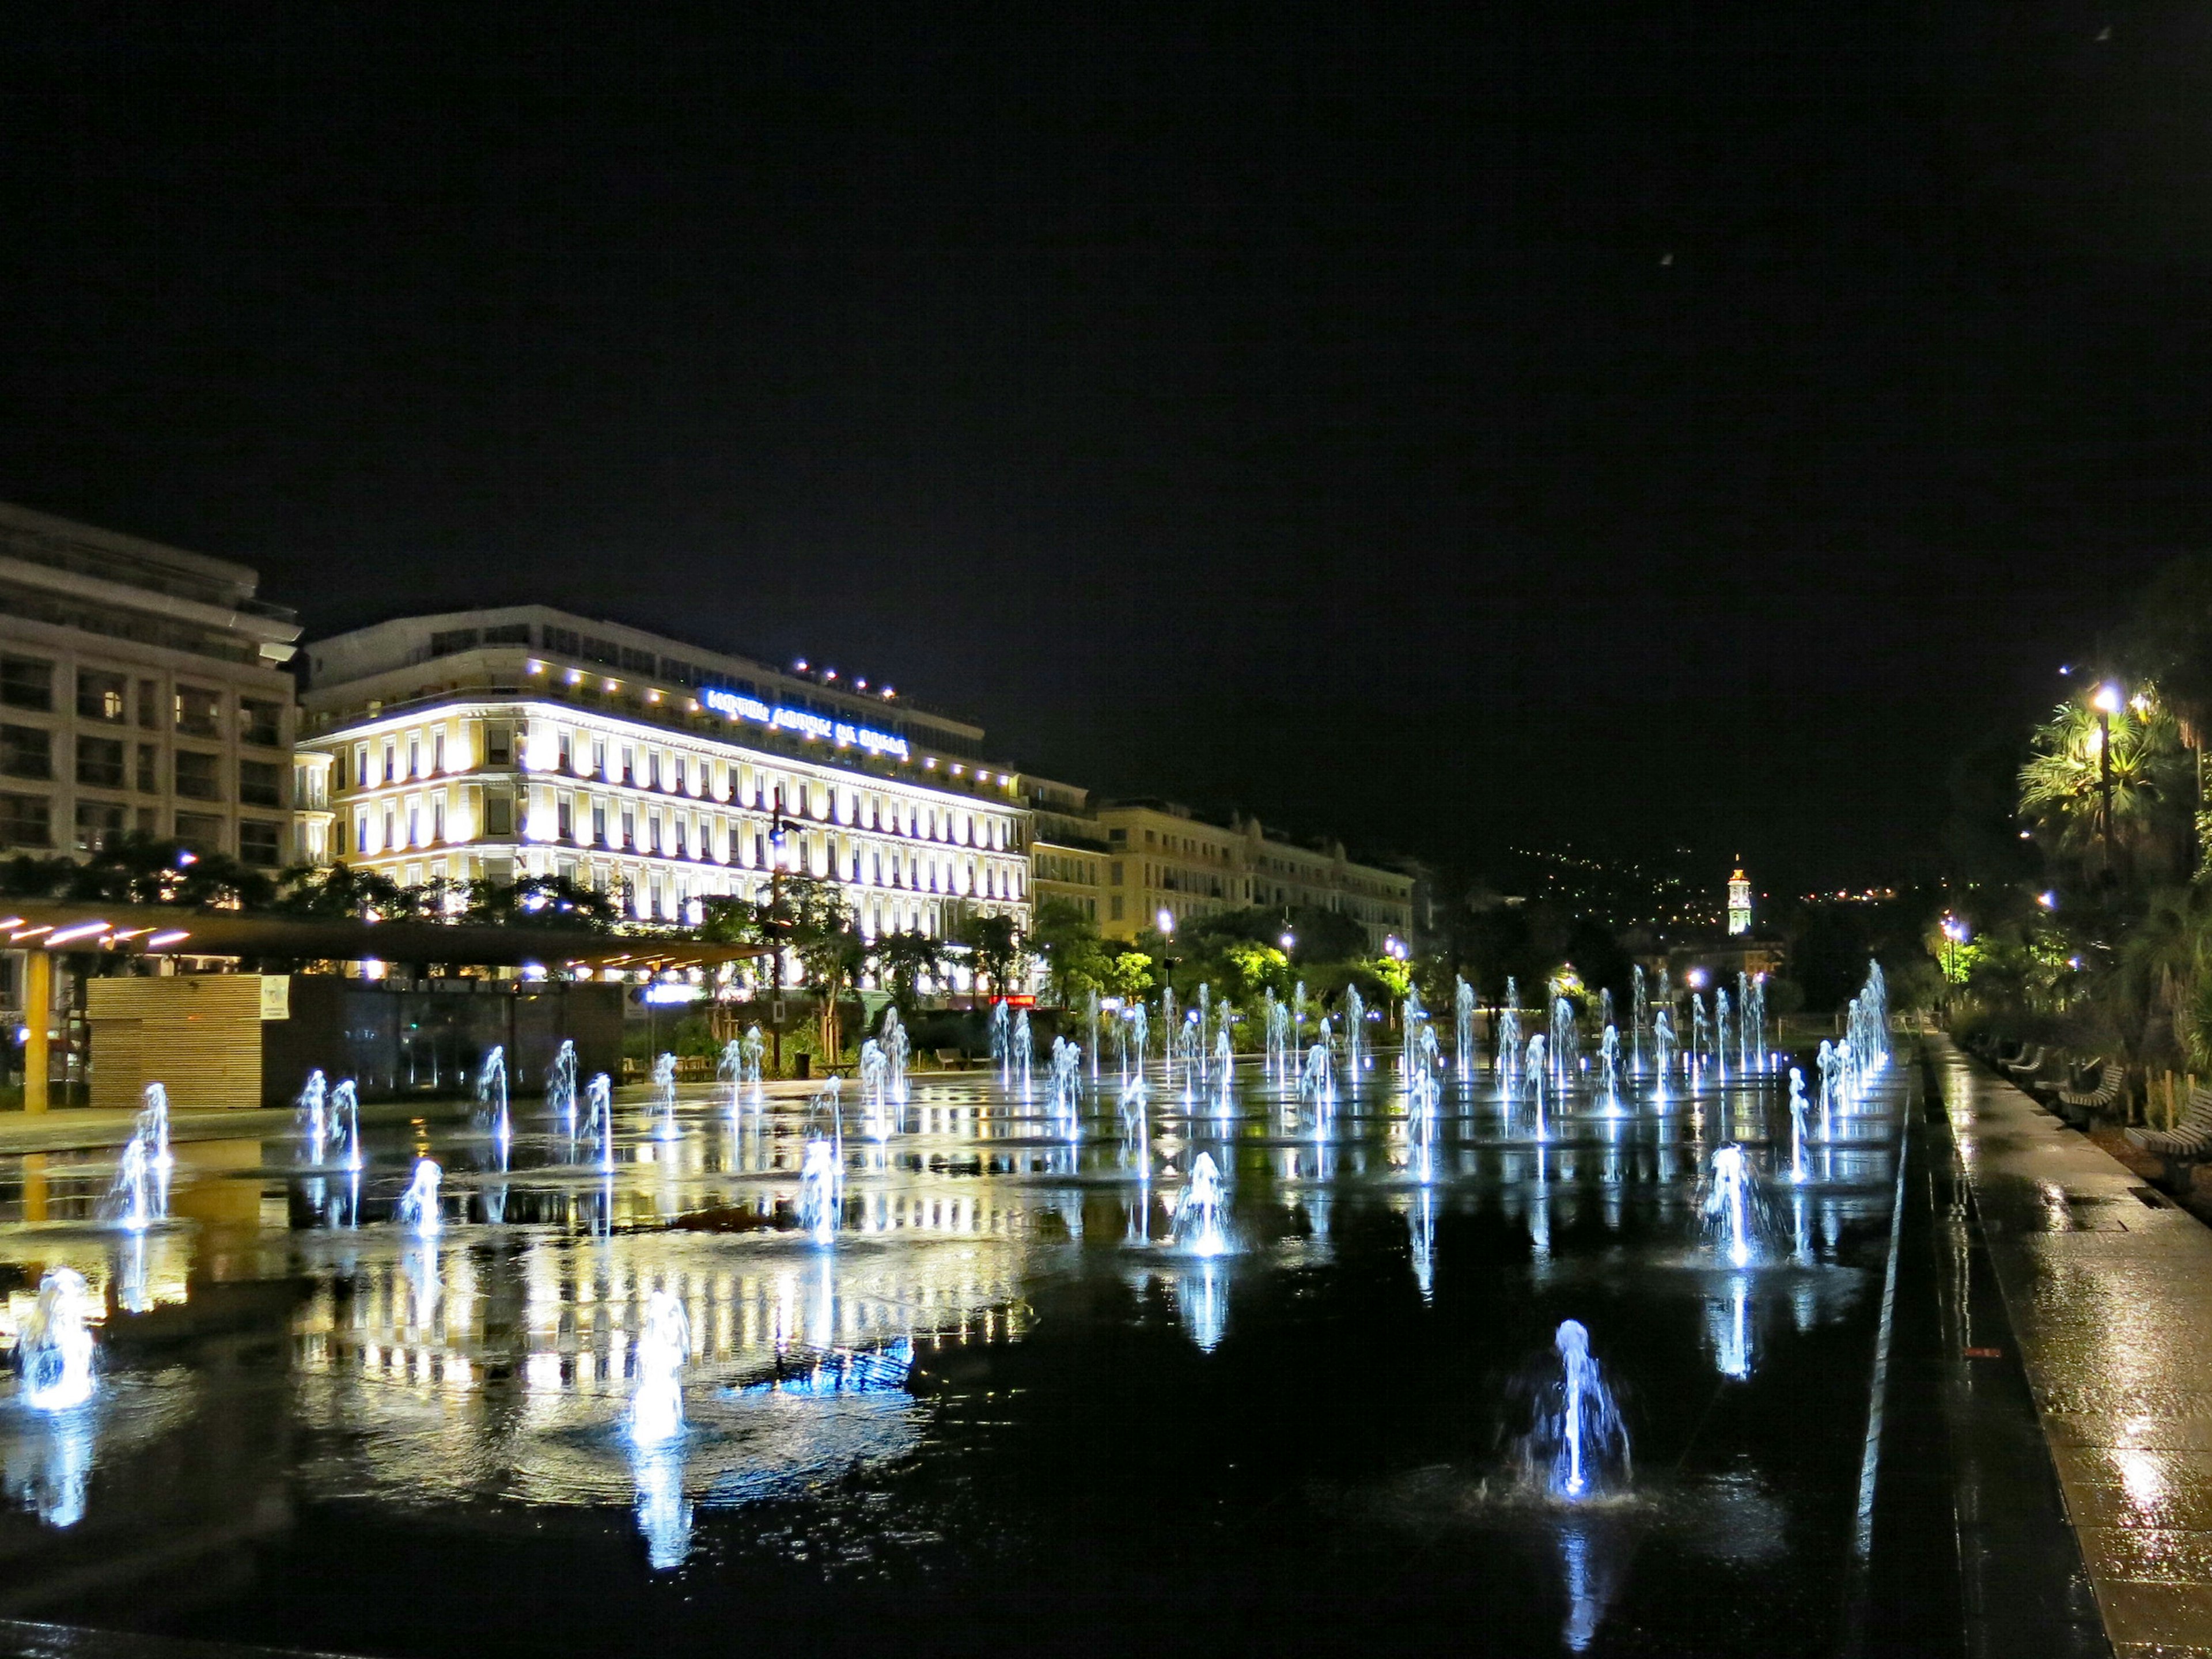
141 688
1140 858
524 741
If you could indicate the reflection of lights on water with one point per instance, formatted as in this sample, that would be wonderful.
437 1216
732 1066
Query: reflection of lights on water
663 1513
1202 1299
1730 1323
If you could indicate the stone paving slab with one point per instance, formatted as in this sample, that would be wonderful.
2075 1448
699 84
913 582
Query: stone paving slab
2109 1289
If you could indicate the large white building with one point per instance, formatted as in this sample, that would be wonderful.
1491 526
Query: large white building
524 740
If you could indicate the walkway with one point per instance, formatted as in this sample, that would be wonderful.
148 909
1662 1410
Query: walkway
2109 1291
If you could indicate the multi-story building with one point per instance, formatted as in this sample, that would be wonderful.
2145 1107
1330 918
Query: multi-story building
141 688
525 741
1069 855
1161 856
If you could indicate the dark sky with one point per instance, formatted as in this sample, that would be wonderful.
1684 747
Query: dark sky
1673 423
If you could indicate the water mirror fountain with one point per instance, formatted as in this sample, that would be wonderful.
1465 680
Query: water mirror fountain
673 1345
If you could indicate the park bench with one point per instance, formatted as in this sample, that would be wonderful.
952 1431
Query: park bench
2188 1142
2076 1105
950 1059
2027 1064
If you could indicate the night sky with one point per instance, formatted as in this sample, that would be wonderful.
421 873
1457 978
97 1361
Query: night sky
1675 424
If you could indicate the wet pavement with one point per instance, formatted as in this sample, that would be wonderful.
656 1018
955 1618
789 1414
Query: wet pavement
995 1401
2107 1287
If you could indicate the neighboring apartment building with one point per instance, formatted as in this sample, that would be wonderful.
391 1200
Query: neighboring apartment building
524 740
1164 857
1140 857
1068 854
141 688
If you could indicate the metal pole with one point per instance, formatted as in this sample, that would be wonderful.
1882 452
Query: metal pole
2105 780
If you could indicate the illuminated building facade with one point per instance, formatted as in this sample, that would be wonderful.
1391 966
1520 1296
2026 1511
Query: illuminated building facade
141 689
525 741
1161 856
1738 902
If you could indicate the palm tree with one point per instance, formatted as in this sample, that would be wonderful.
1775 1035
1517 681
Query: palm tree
2063 785
2170 642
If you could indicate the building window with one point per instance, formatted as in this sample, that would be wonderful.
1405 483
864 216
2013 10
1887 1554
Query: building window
26 751
499 815
391 831
566 746
25 821
414 757
598 825
447 641
27 683
361 833
563 818
437 818
199 711
260 842
150 775
562 640
261 724
150 705
260 783
99 696
199 777
507 634
202 833
391 761
97 823
438 753
100 762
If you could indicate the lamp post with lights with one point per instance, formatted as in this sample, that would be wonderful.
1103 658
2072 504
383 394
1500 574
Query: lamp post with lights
2106 702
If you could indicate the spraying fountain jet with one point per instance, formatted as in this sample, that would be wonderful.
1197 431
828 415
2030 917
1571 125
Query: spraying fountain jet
1580 1444
55 1347
1025 1050
599 1117
1200 1225
1798 1173
419 1209
314 1105
1729 1213
820 1190
491 1093
664 1095
561 1086
656 1404
345 1124
154 1129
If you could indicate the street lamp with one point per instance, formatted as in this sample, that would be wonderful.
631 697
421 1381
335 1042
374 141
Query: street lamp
2107 702
1165 922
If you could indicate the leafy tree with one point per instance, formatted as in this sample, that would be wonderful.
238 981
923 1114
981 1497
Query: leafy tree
809 916
900 960
341 892
547 902
1074 956
1131 973
134 869
996 947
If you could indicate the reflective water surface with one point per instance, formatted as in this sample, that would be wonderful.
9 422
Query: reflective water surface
966 1379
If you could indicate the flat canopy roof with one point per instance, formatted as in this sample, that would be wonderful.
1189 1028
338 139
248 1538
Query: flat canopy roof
157 930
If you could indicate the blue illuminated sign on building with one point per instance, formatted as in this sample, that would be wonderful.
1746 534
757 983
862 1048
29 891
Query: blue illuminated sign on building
807 723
